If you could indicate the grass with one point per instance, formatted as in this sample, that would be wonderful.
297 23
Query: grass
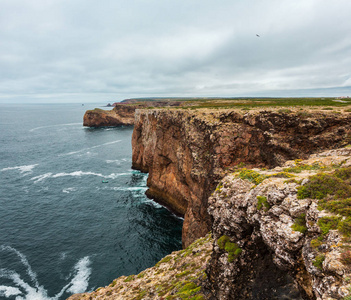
323 185
318 261
231 248
262 202
251 175
300 224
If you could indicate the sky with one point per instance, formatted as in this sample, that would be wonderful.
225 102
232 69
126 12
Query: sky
110 50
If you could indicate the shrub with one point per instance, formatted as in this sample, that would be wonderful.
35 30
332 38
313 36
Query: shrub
251 175
300 224
262 201
328 223
321 185
318 261
345 227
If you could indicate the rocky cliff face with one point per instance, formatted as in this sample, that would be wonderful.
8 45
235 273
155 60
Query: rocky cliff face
186 152
119 115
123 112
284 233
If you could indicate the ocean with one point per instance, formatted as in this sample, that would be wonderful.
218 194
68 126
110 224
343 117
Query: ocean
73 214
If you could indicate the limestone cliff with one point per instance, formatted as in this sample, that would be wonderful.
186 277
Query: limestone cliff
119 115
123 112
186 152
284 233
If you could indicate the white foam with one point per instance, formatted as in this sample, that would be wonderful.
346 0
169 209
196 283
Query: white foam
24 261
76 174
41 177
24 291
68 190
135 188
57 125
22 169
93 147
116 161
8 291
80 280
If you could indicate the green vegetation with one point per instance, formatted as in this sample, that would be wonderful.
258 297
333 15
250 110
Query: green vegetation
246 103
323 185
318 261
232 249
251 175
303 167
300 224
328 223
262 202
188 290
129 278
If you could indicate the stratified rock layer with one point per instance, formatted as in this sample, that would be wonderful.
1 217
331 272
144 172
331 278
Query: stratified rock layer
186 152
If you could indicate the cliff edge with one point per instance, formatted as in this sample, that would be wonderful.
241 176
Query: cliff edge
186 152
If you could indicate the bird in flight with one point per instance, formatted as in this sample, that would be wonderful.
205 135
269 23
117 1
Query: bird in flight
257 35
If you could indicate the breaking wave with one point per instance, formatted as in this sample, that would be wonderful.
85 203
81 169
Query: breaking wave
79 280
41 177
93 147
23 169
57 125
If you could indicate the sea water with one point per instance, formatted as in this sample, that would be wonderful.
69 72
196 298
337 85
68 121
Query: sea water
73 214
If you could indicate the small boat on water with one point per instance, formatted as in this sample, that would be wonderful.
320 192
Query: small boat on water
105 181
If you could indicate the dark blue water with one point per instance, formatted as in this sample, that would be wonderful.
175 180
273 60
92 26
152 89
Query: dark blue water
62 230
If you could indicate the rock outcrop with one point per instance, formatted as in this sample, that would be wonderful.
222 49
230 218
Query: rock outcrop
122 113
274 240
119 115
187 152
180 275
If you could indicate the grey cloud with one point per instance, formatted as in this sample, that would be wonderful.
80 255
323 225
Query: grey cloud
173 48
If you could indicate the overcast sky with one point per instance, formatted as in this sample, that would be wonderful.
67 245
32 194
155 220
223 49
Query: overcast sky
109 50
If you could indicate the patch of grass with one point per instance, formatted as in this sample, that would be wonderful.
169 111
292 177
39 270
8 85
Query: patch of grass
113 283
345 227
318 261
283 174
232 249
302 167
251 175
262 202
182 274
322 185
315 243
328 223
339 206
284 110
188 290
129 278
300 224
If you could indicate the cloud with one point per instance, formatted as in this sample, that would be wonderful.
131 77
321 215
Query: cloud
173 48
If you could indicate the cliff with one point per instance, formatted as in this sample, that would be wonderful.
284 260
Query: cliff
123 112
284 233
119 115
186 152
